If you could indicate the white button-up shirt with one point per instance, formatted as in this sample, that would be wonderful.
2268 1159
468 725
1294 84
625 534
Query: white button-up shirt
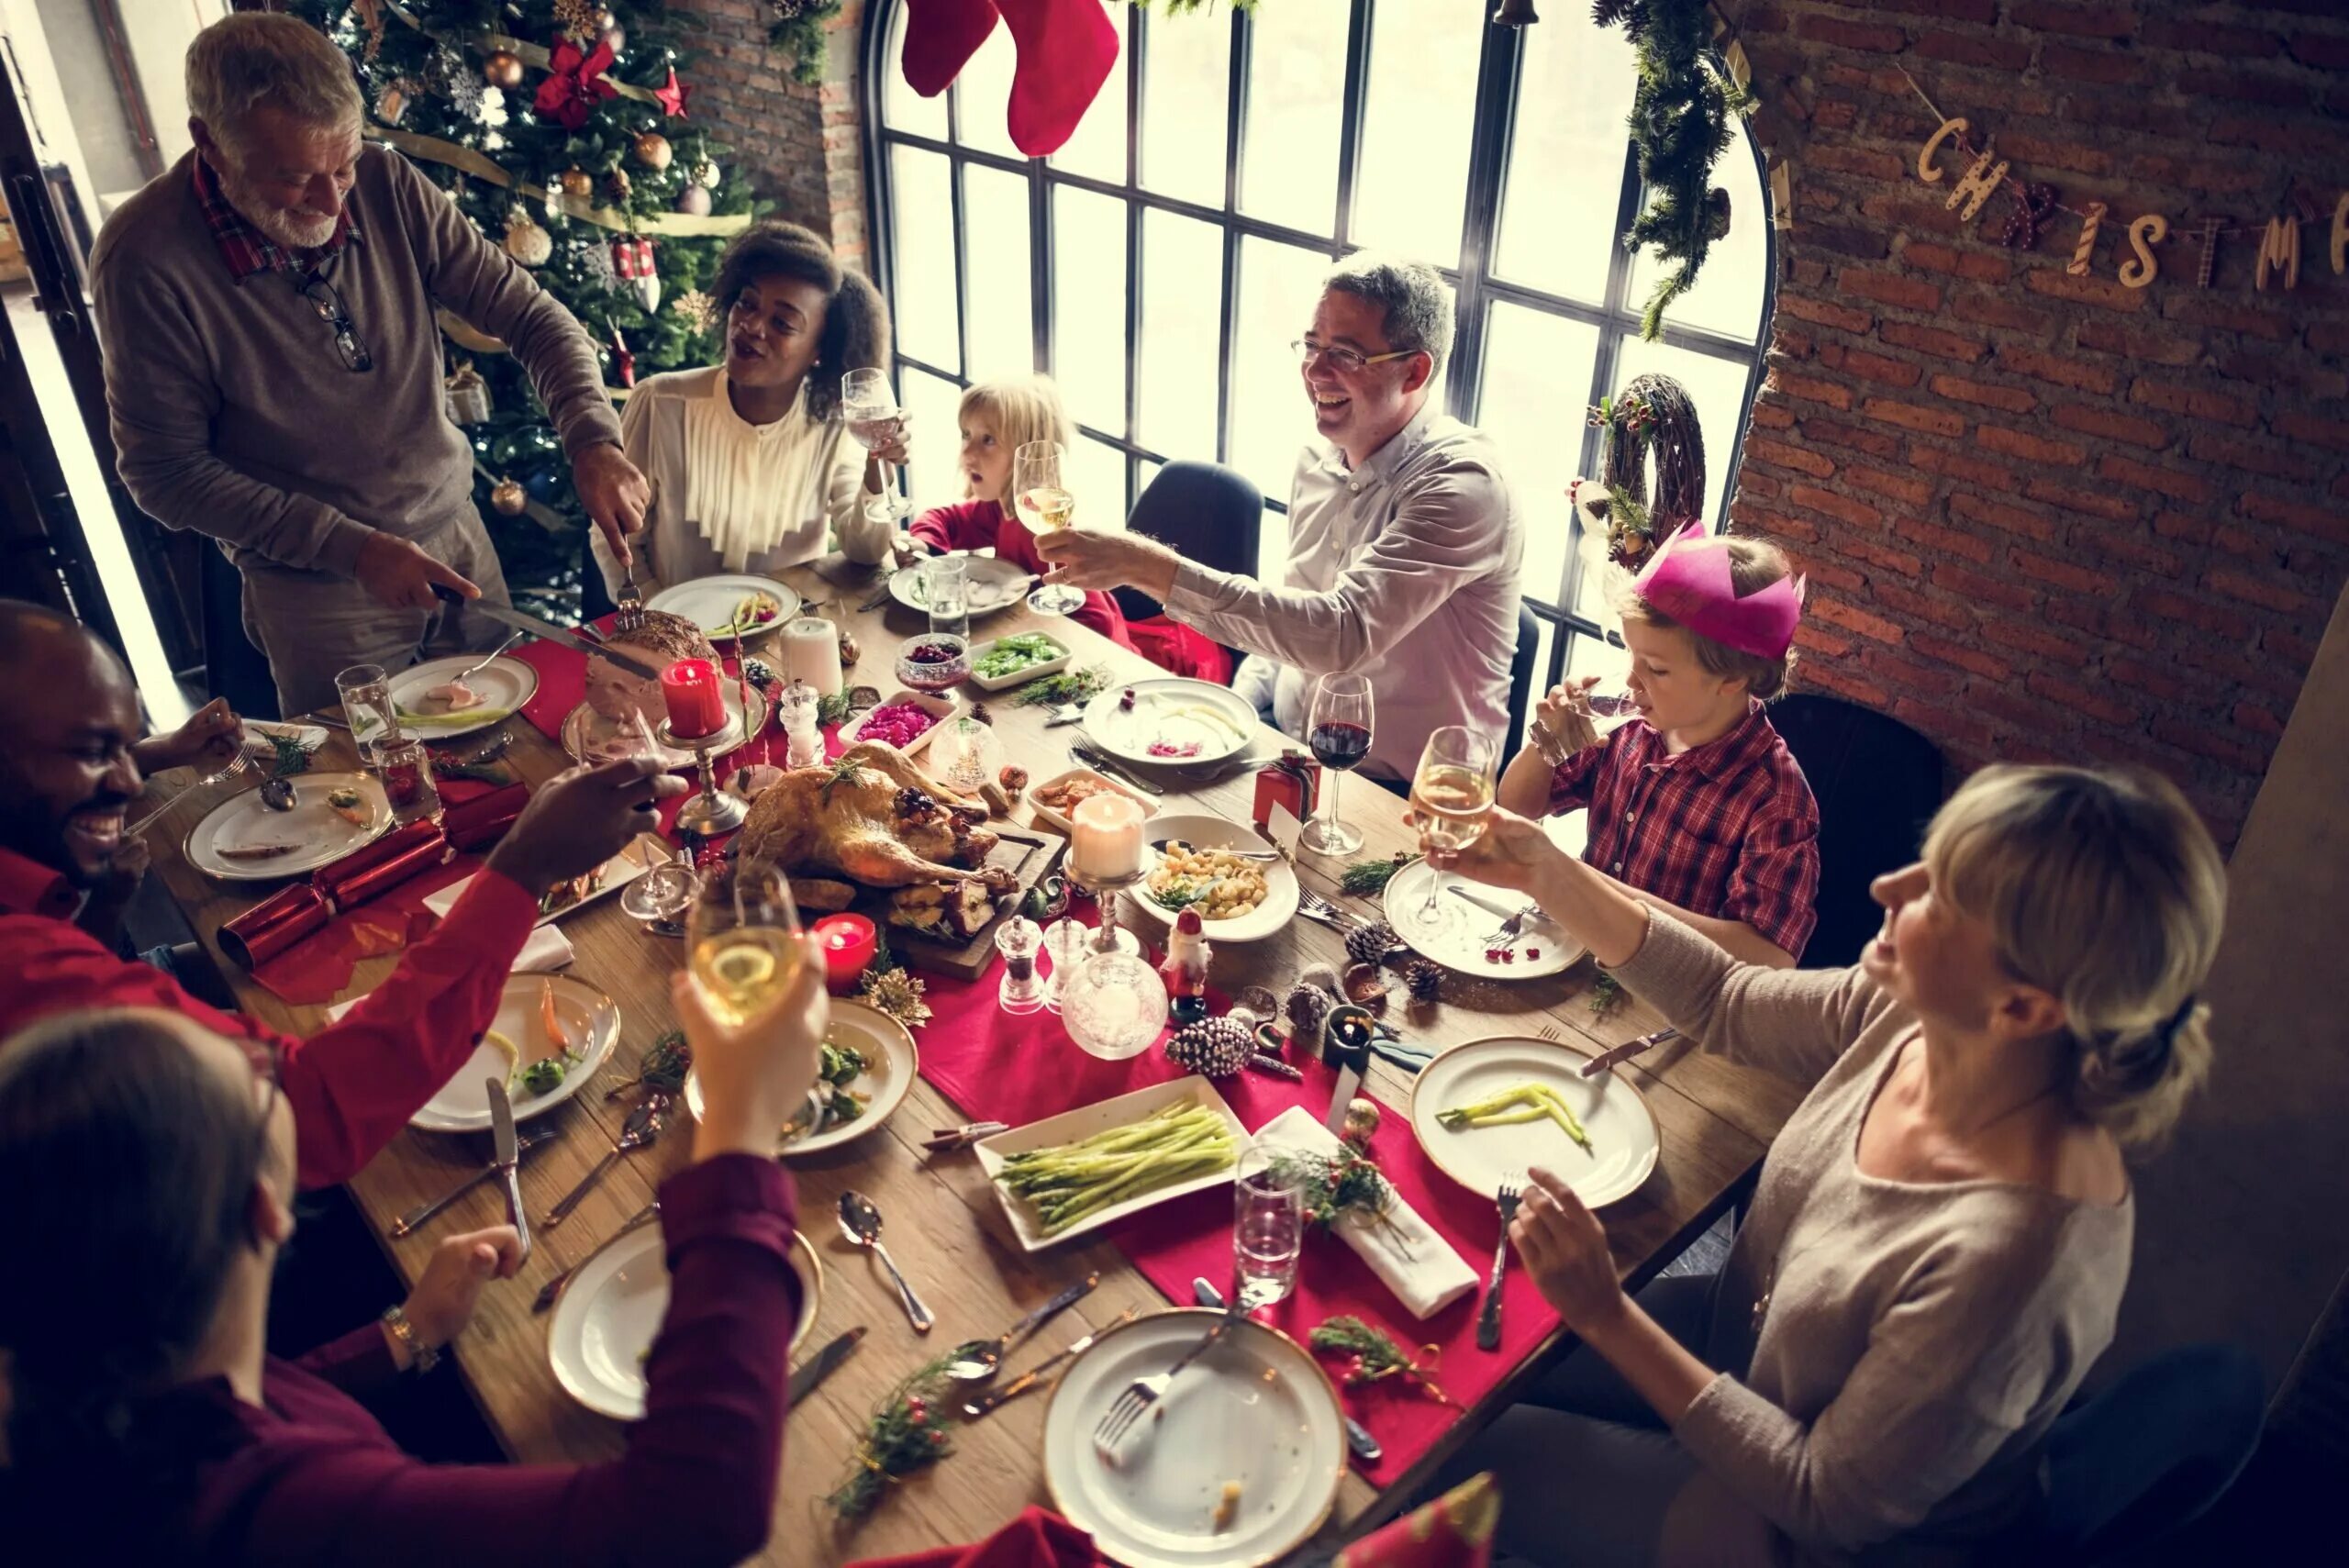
1405 569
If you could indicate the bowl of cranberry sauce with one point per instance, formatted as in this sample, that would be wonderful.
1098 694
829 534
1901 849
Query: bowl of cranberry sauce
933 661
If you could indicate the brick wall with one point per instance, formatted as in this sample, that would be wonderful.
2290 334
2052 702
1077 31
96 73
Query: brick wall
2047 517
797 145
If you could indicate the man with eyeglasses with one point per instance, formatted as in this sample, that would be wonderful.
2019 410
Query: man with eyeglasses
1404 546
274 371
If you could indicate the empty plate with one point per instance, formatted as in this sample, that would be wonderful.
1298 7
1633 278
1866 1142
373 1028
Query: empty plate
242 841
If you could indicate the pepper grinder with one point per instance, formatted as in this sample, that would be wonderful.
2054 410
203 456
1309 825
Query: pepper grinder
1017 940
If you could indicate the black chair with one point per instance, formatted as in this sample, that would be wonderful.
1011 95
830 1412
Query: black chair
1208 513
1877 782
2148 1456
1522 668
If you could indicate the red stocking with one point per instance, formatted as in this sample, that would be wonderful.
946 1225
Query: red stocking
940 36
1066 48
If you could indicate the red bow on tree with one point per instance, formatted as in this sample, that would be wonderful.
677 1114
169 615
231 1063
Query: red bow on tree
574 85
672 97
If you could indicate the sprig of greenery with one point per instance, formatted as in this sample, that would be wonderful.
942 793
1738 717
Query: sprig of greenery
844 771
1368 879
1336 1185
832 709
1608 996
1069 686
900 1436
1371 1357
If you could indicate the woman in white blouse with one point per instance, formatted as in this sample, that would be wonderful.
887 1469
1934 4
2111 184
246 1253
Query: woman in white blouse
753 469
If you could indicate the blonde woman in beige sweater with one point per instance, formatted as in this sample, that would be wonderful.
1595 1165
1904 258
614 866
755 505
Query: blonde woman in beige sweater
1940 1238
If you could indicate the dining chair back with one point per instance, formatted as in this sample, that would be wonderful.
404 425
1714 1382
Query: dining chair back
1523 665
1877 782
1208 513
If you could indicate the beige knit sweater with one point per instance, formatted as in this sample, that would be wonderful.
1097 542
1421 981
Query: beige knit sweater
1915 1341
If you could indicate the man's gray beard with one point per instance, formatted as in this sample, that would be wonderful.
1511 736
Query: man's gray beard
278 226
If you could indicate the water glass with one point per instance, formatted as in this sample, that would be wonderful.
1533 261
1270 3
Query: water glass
1268 1227
407 770
946 586
367 706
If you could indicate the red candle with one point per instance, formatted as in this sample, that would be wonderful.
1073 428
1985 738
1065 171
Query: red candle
689 688
847 943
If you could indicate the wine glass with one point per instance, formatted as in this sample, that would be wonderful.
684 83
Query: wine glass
744 939
871 411
1339 733
1451 794
1044 502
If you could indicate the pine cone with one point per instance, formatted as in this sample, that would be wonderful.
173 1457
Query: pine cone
1424 978
1370 944
758 673
1306 1006
1215 1048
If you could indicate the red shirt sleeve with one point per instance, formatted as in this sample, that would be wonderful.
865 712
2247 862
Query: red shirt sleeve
1570 784
966 525
1774 886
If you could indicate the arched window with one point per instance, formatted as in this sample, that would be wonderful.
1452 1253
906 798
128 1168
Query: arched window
1159 264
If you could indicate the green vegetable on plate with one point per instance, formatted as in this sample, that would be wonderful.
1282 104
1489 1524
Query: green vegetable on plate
1073 1182
1512 1107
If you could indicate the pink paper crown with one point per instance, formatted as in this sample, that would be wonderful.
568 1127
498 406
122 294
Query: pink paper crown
1689 580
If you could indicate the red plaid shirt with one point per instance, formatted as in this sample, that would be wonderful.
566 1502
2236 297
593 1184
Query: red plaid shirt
246 249
1728 829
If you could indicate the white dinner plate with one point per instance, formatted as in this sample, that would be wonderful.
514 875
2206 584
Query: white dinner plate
894 1062
1173 723
1205 832
709 602
1454 932
606 1319
992 585
503 685
462 1104
940 706
1255 1411
1622 1130
320 835
1070 1126
589 737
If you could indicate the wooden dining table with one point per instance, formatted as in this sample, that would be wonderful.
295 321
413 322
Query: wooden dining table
945 1225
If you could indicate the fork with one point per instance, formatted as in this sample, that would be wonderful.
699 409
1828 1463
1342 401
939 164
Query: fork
643 1125
1321 908
1488 1321
628 602
237 766
486 660
415 1217
1143 1392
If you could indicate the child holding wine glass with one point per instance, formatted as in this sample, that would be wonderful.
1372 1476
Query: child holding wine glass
1696 805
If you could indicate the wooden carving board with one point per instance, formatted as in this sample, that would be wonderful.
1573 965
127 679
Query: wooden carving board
1028 856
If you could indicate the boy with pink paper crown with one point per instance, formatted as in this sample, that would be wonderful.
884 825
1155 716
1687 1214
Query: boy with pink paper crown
1696 806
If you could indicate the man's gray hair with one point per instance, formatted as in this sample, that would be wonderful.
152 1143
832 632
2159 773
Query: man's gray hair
252 58
1414 301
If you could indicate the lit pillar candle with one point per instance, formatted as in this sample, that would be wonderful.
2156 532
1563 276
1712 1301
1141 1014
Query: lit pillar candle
689 690
1107 845
847 943
810 652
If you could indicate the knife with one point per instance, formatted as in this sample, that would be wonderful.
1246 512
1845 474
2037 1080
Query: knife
1625 1051
822 1364
1100 763
1519 915
1358 1436
1066 713
508 616
508 1151
1028 1380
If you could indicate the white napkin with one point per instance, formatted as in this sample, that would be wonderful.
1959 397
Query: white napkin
1401 1249
548 950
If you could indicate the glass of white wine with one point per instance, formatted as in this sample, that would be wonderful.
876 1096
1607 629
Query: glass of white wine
744 939
1047 507
871 411
1451 794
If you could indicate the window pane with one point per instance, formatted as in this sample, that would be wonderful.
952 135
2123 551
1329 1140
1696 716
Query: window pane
1728 295
1412 179
1187 96
1565 166
1181 325
1149 470
1716 387
1097 474
1097 146
901 107
922 312
1594 656
1537 383
1089 306
932 442
1297 80
1271 415
996 270
982 94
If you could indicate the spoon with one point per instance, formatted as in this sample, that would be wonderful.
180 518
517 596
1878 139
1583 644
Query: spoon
861 1223
277 794
980 1360
1162 845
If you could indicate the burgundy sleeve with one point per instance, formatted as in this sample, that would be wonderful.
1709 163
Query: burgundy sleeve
963 526
697 1484
354 1083
359 1363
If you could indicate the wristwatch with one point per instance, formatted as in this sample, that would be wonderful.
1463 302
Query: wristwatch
422 1358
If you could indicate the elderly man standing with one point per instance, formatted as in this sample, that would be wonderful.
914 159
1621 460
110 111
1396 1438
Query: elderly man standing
273 365
1403 545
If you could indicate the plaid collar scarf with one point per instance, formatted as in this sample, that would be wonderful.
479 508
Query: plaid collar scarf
246 250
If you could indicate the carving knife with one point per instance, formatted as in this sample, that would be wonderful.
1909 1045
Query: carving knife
508 1151
508 615
823 1363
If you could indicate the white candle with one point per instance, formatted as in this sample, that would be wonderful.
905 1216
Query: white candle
811 652
1107 845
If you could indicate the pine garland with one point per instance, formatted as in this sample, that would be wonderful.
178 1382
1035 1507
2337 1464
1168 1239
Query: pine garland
797 33
1368 879
1655 416
900 1438
1680 124
1371 1357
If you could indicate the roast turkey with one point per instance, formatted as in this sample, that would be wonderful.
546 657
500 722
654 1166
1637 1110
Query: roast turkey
872 818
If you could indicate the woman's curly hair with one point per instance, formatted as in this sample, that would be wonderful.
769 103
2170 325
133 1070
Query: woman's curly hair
856 321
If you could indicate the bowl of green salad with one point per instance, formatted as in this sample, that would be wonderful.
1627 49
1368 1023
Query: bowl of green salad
1016 659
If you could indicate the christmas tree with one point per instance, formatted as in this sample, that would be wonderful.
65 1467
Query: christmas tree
563 129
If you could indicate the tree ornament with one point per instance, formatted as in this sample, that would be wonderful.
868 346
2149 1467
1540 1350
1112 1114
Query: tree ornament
633 259
601 23
577 182
694 201
706 172
1424 978
502 68
526 242
1213 1048
392 103
1370 944
371 20
580 19
672 96
699 313
592 259
508 497
1362 1120
653 150
468 395
575 84
623 358
618 183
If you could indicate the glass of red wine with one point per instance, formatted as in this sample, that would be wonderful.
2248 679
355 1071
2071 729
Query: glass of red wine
1339 733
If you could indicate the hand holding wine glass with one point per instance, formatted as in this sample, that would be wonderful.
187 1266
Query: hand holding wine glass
1040 491
1451 794
871 411
1339 733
